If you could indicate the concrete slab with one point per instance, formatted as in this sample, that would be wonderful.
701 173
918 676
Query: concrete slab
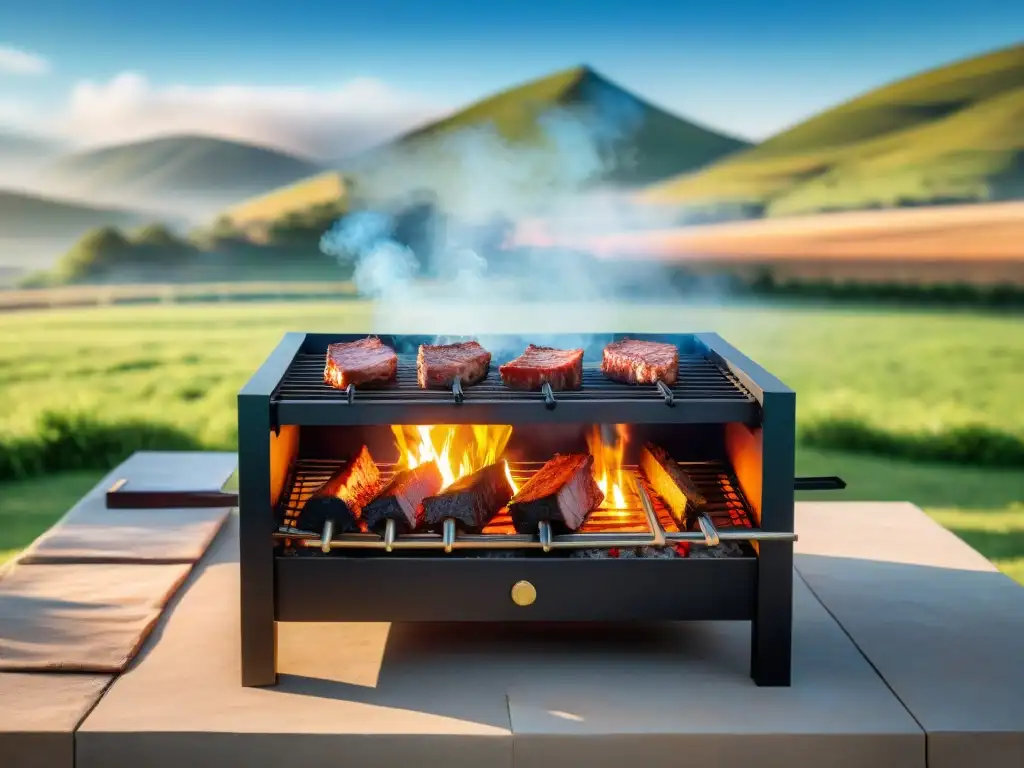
685 692
39 714
443 695
934 617
80 618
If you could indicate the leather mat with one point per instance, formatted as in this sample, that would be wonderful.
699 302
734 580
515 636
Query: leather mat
81 618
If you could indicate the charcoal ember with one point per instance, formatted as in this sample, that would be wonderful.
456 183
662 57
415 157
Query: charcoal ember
563 492
402 498
342 497
725 549
671 482
632 361
560 368
471 501
658 553
364 361
497 554
595 554
440 365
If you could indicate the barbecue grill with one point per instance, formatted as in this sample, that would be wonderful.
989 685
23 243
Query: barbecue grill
726 421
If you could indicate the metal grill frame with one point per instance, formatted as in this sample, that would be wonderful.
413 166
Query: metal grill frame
399 588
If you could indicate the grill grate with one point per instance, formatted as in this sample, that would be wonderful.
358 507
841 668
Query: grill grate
726 505
699 379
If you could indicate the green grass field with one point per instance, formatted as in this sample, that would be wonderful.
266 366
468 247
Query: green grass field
112 379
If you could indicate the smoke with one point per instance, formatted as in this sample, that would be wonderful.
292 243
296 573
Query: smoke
454 258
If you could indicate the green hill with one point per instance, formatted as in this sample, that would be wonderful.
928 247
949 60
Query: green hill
24 215
201 169
573 127
955 133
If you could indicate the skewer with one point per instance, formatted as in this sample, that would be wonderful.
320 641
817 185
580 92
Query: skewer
666 393
389 535
350 393
544 534
457 392
326 535
448 534
549 395
707 528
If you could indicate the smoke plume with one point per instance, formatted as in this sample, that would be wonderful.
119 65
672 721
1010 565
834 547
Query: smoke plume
464 263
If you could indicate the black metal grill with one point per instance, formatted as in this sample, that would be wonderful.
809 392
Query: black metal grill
698 379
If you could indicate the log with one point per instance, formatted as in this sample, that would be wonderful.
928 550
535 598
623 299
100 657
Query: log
472 501
671 483
341 498
563 492
402 498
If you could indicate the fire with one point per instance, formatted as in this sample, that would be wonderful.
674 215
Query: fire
458 450
607 452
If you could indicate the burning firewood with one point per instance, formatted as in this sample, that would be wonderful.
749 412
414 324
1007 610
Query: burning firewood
563 493
360 362
335 506
670 482
471 501
402 498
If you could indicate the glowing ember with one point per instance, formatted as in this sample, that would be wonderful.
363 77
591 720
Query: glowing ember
458 450
608 464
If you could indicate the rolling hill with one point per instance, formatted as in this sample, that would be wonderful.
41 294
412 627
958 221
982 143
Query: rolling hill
327 187
951 134
572 128
182 174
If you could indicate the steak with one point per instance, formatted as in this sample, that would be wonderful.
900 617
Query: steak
671 482
631 361
341 498
561 368
440 365
360 362
563 492
402 498
472 501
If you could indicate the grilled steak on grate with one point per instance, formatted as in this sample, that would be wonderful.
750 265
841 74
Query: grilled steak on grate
631 361
439 365
341 498
360 362
561 368
563 492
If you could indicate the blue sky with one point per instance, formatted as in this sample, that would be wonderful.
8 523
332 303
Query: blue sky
748 67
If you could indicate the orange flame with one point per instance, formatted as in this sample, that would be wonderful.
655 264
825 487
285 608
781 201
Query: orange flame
458 450
608 465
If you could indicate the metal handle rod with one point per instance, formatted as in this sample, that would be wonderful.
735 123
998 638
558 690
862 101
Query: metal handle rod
549 396
831 483
326 535
657 532
350 393
389 535
666 393
544 535
448 534
457 392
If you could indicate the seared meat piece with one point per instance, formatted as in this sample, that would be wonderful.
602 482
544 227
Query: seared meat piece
402 498
341 498
360 362
561 368
563 493
472 501
671 483
440 365
640 362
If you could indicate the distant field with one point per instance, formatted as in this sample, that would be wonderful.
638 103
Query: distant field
175 371
971 243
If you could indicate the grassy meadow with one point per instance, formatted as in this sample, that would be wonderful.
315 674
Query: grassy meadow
918 406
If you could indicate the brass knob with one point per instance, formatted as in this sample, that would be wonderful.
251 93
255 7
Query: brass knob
523 593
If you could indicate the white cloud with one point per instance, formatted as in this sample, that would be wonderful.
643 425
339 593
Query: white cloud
329 122
14 61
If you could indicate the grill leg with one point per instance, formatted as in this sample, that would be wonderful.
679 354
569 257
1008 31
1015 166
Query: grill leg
772 628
